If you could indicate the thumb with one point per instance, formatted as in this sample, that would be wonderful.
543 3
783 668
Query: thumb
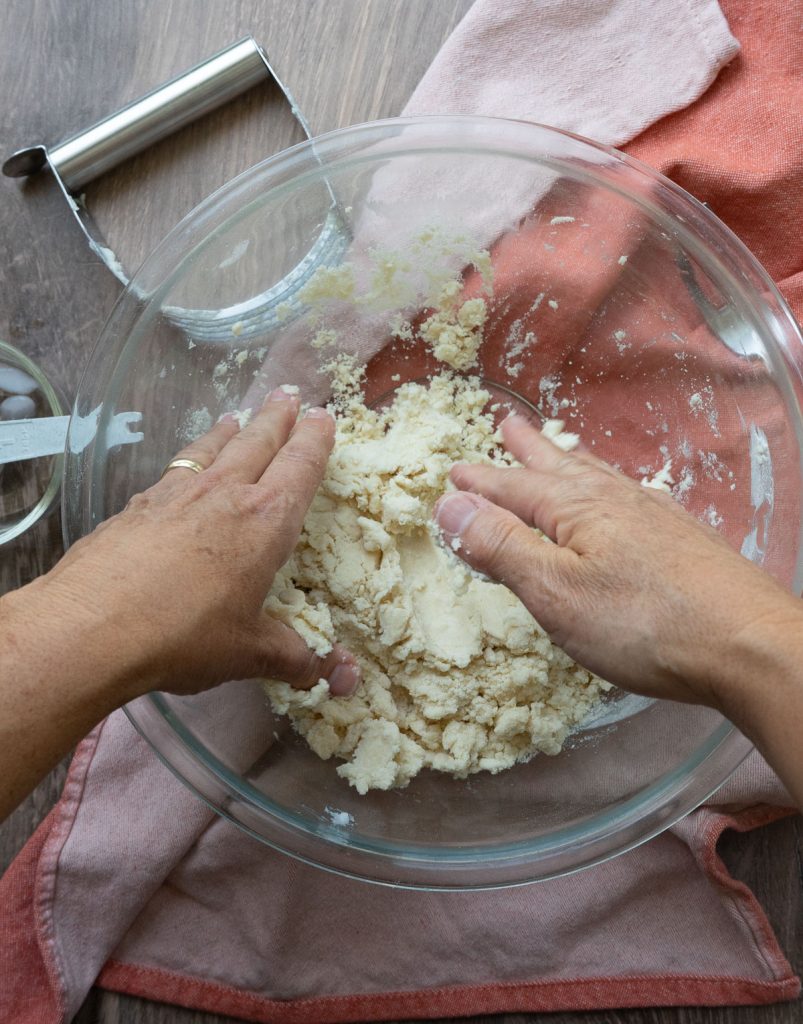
285 656
497 543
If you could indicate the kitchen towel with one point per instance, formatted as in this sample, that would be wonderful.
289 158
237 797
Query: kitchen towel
158 897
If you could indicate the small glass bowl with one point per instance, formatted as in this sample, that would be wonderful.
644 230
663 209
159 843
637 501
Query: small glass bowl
28 489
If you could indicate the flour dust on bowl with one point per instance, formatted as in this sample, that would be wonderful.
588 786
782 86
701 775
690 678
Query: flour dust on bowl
558 276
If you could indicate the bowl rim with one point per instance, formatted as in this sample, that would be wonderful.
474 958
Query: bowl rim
393 868
417 868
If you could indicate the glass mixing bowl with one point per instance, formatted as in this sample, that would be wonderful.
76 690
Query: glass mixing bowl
619 303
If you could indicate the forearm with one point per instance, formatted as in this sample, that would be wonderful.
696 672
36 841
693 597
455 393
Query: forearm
59 677
764 698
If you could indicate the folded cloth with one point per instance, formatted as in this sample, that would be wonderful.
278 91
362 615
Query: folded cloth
161 898
606 70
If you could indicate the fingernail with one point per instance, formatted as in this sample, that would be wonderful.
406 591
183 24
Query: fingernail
316 413
285 393
227 417
344 679
455 512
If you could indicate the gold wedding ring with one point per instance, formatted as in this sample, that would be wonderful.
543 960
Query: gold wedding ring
196 467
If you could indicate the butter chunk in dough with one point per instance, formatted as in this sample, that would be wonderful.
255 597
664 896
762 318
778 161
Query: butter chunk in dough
457 675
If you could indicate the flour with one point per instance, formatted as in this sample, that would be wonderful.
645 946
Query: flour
662 480
685 484
712 517
457 675
242 417
619 340
702 402
548 387
516 344
195 423
341 819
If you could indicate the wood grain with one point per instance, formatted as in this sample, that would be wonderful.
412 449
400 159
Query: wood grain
65 64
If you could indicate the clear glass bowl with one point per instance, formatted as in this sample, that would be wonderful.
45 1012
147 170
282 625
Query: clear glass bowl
29 488
620 303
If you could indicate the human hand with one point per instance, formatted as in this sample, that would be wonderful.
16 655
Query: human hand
634 588
175 583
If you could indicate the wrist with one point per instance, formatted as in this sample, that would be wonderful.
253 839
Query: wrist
51 635
765 698
763 673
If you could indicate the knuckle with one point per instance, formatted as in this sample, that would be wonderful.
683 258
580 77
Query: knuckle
246 499
588 479
495 539
569 464
246 441
588 490
307 670
302 459
138 503
253 500
205 483
295 455
601 533
302 450
289 659
281 505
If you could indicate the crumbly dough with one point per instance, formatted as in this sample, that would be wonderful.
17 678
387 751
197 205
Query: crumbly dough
457 675
454 331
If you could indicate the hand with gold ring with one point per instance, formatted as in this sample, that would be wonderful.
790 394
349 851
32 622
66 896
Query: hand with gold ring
196 467
169 593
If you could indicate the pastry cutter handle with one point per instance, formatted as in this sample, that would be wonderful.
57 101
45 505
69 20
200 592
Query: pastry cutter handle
92 152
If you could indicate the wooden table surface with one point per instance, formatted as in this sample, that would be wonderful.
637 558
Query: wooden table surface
64 64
